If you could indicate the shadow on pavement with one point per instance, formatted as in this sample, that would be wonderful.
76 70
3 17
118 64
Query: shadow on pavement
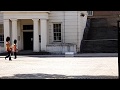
55 76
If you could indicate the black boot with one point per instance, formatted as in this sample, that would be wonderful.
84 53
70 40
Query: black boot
10 59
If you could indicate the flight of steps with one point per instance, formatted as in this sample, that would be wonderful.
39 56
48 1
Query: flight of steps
99 37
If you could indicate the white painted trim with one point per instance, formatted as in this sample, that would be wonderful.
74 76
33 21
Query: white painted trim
25 15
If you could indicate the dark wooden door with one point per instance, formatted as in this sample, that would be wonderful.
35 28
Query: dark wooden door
28 40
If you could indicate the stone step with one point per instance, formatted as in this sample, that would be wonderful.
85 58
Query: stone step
99 46
98 22
99 37
102 33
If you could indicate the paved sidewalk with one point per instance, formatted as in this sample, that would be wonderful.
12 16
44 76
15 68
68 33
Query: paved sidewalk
36 67
97 55
76 55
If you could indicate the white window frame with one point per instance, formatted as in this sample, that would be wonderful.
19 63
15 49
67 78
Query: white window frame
90 13
53 32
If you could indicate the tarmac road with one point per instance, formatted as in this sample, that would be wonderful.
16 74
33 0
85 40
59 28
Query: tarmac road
28 67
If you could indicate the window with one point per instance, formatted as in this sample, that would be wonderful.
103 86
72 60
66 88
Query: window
1 28
1 34
90 13
40 38
57 32
1 38
27 27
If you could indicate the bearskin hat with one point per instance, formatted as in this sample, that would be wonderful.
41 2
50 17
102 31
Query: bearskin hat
15 41
7 39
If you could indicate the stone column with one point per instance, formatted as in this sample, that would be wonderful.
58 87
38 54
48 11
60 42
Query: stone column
36 46
6 30
14 30
19 44
43 25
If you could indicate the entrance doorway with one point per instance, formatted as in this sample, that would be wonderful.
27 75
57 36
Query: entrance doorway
118 25
28 40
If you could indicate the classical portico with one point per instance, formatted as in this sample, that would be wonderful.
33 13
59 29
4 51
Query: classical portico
12 27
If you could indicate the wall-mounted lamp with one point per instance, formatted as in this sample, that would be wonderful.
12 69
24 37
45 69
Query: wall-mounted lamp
82 14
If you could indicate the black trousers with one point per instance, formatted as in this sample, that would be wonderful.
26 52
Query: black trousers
15 55
9 55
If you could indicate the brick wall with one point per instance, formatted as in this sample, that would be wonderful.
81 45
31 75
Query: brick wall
111 16
106 13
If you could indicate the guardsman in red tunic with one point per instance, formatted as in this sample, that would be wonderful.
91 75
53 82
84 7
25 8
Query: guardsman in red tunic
8 48
14 48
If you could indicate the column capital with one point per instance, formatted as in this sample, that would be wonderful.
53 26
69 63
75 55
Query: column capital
35 19
13 19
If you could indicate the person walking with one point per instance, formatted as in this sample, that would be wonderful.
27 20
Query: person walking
8 48
14 49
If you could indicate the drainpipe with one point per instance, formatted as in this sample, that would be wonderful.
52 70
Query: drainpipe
64 32
64 28
77 33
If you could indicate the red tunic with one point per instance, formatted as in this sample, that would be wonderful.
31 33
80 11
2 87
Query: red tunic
8 48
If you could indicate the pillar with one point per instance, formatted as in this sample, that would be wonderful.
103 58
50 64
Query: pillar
43 25
14 30
6 30
36 46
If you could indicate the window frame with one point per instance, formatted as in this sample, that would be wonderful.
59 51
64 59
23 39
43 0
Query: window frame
90 14
55 41
24 29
